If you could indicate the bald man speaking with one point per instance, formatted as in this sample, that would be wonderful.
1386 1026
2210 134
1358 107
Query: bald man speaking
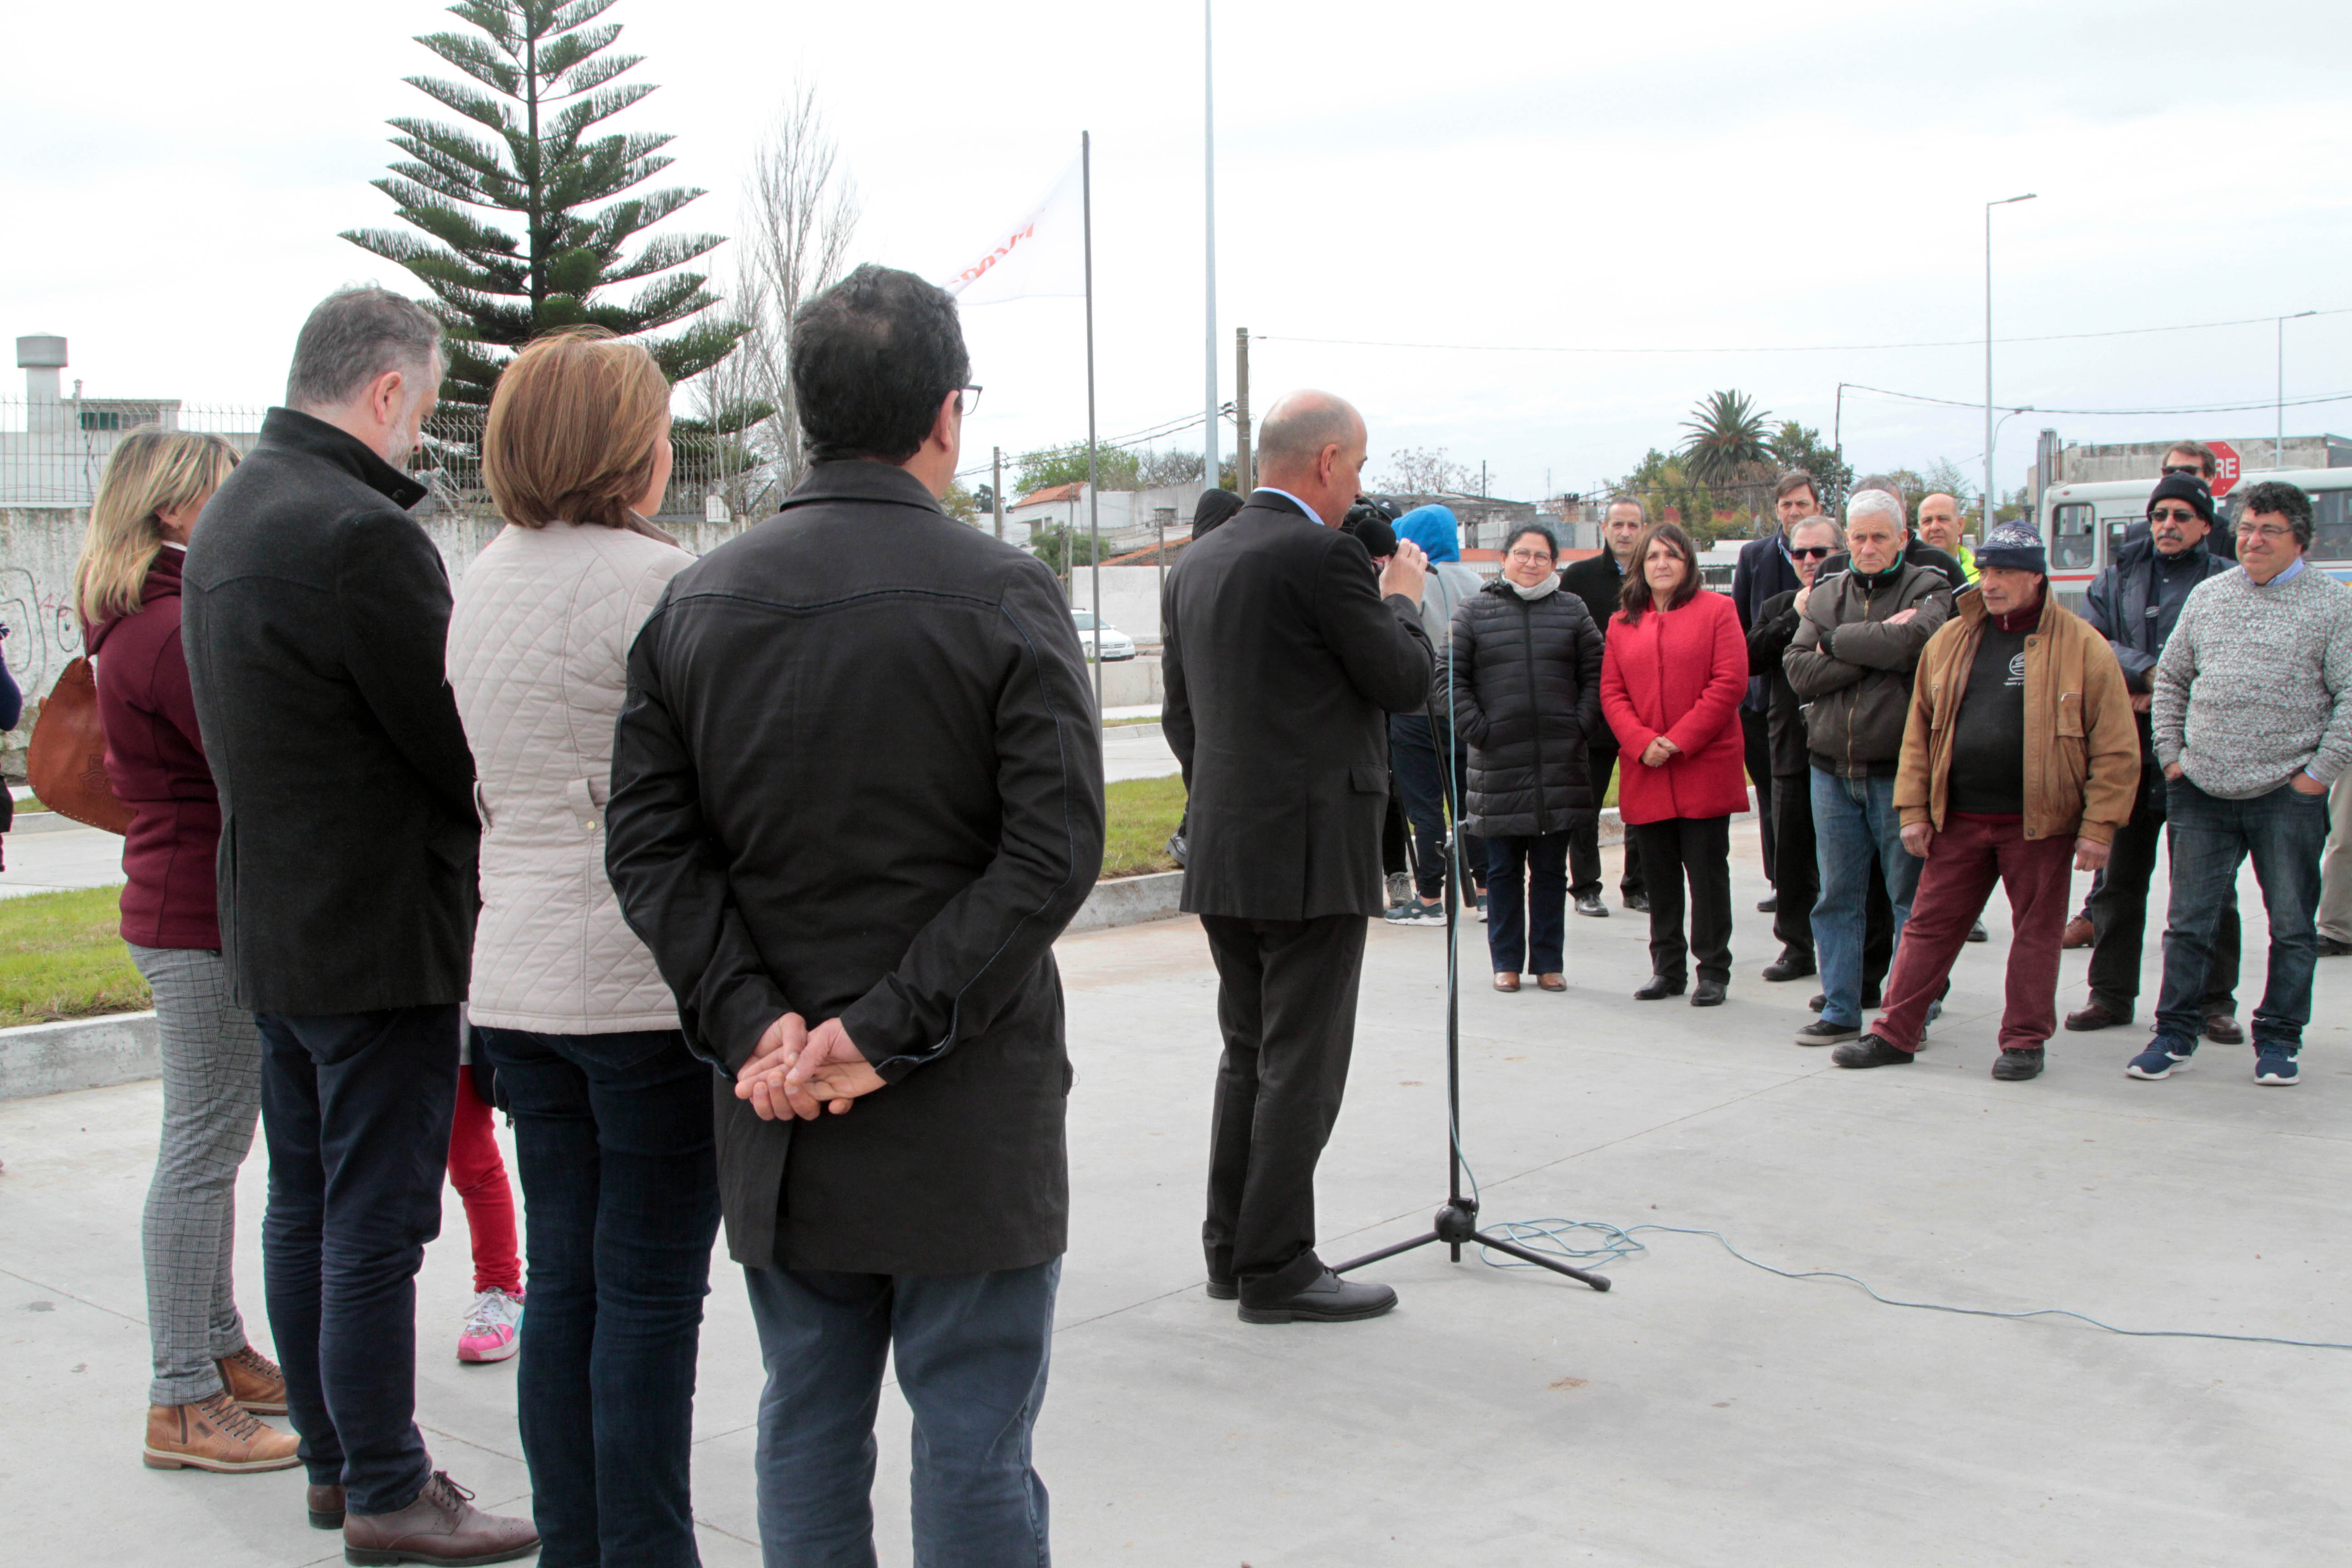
1283 655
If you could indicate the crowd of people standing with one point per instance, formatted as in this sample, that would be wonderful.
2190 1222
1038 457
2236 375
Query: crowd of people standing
1919 720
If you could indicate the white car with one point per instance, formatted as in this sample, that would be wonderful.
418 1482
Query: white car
1114 645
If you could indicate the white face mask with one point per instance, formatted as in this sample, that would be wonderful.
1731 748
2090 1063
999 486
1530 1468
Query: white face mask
1544 589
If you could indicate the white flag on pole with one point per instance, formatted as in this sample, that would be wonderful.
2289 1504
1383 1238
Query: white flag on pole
1042 255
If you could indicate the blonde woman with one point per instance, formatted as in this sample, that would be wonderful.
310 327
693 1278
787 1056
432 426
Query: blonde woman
209 1383
612 1112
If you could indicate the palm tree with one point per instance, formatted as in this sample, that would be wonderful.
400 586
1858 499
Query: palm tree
1727 432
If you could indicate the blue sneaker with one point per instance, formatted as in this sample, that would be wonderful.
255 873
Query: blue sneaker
2274 1066
2163 1057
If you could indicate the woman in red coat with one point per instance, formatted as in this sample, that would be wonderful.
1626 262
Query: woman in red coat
1671 678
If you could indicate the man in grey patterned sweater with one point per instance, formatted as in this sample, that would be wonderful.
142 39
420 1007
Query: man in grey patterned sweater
2254 722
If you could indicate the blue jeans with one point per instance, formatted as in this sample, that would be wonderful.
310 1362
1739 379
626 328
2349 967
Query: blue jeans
1527 902
2209 837
970 1352
1853 819
620 1199
356 1107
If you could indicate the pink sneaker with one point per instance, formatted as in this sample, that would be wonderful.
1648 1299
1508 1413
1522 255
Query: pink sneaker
493 1327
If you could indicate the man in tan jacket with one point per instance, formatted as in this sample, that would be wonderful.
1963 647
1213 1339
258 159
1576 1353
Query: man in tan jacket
2020 757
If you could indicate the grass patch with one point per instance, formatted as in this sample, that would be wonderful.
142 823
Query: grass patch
61 956
1141 814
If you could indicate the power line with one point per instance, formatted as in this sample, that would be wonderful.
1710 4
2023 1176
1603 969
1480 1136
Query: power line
2037 408
1790 348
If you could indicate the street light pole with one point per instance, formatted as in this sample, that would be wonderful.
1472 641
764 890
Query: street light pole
2278 442
1209 227
1992 496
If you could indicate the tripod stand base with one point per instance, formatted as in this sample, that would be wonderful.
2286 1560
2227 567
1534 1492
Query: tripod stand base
1456 1226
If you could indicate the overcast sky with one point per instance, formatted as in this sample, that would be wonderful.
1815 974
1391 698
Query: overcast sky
1672 176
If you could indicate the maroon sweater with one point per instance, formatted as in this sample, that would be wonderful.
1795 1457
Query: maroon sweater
155 761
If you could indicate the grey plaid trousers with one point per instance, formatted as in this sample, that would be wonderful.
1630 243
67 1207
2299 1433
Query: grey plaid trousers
212 1099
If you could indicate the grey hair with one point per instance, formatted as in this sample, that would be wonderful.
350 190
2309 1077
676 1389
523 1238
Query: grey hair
1300 425
1634 501
1819 520
1876 503
354 336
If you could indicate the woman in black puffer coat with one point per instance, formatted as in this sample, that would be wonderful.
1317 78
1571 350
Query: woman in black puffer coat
1526 668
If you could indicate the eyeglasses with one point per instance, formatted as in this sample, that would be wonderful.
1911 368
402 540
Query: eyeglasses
969 402
2172 514
2266 531
2191 470
1809 551
1529 557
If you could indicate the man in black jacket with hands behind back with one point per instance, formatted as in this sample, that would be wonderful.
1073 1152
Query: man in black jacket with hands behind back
1282 653
857 795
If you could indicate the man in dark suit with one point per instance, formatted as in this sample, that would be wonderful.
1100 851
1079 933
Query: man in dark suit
1283 652
1598 579
314 611
1764 572
857 795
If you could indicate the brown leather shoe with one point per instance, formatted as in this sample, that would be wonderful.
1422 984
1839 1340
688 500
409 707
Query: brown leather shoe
1551 982
2078 933
2223 1030
255 1382
218 1433
1505 981
2097 1016
442 1528
326 1506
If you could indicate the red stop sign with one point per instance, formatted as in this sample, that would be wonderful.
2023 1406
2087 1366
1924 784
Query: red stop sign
2225 466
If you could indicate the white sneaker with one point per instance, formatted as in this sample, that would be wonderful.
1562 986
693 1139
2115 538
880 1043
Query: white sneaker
493 1327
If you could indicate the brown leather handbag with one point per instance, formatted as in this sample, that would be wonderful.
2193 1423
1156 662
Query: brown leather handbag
66 762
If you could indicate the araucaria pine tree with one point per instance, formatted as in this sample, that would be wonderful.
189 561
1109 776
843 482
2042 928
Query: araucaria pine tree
541 81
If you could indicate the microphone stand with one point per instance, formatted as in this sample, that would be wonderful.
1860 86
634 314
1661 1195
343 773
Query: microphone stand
1457 1224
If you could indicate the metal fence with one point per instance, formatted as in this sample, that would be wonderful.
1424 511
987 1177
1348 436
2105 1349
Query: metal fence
54 454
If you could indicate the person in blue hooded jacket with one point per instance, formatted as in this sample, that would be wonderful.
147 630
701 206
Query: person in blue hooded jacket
1414 749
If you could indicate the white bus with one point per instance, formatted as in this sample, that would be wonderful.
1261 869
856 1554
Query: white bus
2083 525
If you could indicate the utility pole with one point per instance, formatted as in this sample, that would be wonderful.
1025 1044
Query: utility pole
996 486
1209 227
1992 496
1241 414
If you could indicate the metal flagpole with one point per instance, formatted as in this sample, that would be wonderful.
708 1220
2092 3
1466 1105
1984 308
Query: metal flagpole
1209 227
1094 485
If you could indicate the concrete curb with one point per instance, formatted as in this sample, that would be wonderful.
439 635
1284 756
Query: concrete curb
81 1053
1129 900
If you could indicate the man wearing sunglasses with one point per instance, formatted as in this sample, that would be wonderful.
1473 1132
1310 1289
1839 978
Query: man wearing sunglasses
1765 571
2252 716
2135 604
1808 542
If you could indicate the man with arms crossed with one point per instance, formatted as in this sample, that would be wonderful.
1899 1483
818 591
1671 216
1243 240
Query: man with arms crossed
1281 656
857 795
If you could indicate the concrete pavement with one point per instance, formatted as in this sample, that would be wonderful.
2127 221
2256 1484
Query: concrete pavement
1701 1412
56 860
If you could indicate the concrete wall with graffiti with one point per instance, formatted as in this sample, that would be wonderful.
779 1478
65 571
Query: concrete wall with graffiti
38 548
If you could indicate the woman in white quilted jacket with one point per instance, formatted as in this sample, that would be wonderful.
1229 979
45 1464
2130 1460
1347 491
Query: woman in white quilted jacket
611 1115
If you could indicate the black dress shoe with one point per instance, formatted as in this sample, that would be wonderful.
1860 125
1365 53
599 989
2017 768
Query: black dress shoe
1790 965
1870 1051
326 1506
1224 1290
2097 1016
1710 994
2331 948
1638 902
1658 989
1976 932
1590 904
1330 1299
2223 1030
1821 1000
1769 906
2015 1066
